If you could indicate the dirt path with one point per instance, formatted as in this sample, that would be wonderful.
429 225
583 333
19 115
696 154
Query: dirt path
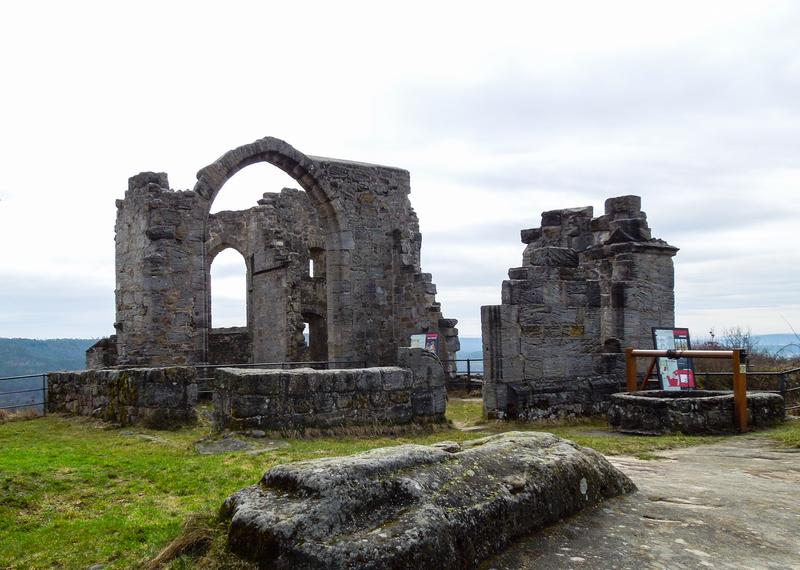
734 504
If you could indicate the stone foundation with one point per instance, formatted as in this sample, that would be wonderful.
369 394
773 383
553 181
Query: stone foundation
325 399
154 397
691 411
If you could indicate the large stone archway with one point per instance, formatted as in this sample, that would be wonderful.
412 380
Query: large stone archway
270 300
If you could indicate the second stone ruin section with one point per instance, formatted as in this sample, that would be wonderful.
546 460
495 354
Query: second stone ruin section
587 288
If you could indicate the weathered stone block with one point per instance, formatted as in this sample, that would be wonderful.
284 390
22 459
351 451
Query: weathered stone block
414 506
554 257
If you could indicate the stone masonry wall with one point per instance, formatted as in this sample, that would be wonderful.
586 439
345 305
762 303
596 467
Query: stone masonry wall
154 397
160 268
306 398
587 288
102 354
357 217
230 345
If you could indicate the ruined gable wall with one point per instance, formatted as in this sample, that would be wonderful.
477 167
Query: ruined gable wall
375 292
390 295
159 273
588 286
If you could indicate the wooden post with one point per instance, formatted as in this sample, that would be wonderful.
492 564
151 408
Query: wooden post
739 391
647 375
630 370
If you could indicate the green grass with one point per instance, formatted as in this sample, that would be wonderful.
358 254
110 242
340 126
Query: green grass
75 492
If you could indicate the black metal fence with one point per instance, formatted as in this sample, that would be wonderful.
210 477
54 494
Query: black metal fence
787 383
467 366
25 392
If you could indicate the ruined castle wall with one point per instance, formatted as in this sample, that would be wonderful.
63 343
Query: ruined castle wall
587 288
154 397
355 218
160 273
230 345
391 297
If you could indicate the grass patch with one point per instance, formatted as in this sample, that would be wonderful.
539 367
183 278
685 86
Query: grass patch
75 492
786 434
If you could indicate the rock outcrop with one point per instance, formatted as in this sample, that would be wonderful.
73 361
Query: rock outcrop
412 506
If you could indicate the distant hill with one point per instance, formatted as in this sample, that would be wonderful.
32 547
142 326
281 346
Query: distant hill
30 356
787 344
471 347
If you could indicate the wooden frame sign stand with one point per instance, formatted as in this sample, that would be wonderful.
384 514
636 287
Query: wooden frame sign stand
738 359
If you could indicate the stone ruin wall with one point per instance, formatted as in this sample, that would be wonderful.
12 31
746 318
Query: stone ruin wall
587 288
153 397
373 294
326 399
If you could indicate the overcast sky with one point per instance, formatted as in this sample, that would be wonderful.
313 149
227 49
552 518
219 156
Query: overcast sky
499 111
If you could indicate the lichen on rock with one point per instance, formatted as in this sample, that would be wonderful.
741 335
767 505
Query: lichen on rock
413 506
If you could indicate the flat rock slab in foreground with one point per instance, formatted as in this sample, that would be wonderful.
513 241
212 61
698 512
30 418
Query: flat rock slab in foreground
730 505
413 506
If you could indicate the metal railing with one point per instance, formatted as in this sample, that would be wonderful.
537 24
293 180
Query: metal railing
40 405
782 377
469 370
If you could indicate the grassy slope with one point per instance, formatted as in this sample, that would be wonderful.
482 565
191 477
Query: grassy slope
74 492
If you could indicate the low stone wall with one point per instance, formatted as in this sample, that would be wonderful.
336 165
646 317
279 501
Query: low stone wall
154 397
691 411
550 398
445 506
305 398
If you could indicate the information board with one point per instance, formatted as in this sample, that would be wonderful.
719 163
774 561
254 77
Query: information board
428 341
674 373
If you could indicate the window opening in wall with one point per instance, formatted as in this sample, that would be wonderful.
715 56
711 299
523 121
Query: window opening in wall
305 334
243 190
317 338
316 262
228 290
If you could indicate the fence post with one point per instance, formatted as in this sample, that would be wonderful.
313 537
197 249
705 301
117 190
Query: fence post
630 370
782 386
739 391
469 370
44 394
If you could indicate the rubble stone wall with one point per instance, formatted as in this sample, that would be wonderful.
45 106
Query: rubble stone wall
306 398
154 397
587 288
230 345
102 354
692 412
